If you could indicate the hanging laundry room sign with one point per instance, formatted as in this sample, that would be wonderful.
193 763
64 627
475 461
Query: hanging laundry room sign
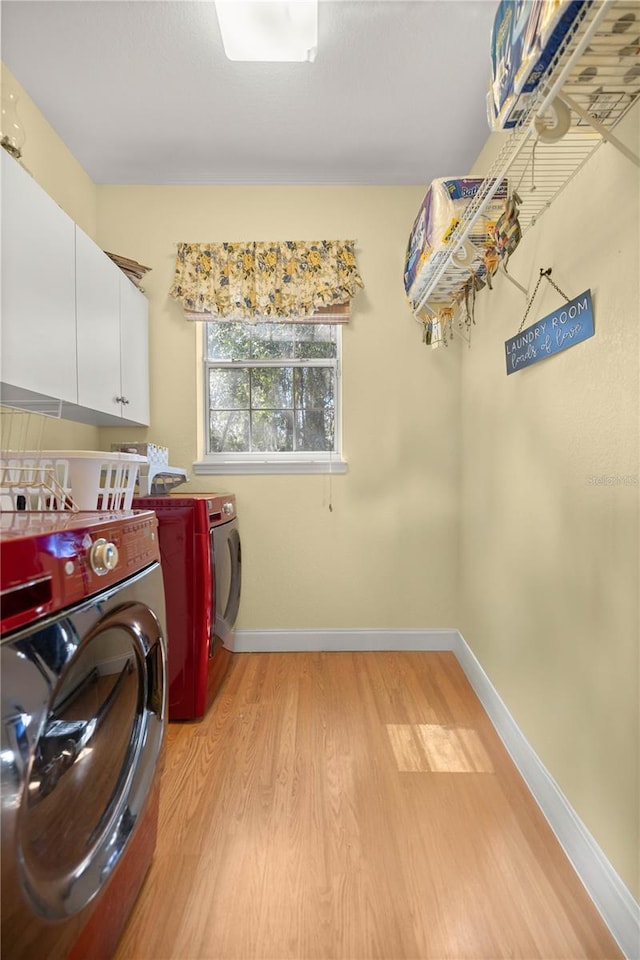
570 324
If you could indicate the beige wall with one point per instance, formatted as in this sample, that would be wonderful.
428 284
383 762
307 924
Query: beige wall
51 164
549 546
49 161
386 556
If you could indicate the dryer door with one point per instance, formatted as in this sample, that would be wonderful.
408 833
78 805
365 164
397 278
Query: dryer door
83 715
227 566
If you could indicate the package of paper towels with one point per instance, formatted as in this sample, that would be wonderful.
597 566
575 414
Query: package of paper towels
441 210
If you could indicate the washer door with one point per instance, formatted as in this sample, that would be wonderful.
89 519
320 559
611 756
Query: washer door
89 758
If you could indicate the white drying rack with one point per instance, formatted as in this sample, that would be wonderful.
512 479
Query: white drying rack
37 486
33 479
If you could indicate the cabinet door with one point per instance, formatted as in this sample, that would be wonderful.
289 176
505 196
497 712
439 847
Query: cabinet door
98 317
134 352
38 288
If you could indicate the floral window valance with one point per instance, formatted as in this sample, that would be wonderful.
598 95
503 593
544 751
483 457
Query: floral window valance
283 280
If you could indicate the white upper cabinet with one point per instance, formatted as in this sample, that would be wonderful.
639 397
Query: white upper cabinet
74 327
38 289
98 320
113 331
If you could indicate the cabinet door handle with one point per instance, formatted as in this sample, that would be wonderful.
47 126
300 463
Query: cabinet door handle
124 400
119 399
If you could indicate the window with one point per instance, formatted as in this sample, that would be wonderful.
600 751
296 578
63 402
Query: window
271 397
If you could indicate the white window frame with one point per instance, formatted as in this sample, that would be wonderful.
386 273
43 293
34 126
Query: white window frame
298 462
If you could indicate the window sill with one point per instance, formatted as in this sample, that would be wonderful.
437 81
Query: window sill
294 466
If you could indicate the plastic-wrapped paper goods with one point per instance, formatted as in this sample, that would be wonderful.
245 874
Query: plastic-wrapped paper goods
525 38
441 210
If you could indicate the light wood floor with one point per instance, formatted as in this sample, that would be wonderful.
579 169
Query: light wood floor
352 806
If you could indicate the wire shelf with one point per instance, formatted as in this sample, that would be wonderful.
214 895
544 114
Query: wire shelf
596 74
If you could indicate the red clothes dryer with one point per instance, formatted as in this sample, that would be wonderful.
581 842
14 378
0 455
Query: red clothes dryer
201 568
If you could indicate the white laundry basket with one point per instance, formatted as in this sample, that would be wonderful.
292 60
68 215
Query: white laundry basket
67 479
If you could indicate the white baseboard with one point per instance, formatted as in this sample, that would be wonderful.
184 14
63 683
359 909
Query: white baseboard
611 897
282 641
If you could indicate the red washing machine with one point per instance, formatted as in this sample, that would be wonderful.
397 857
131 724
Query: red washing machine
201 566
83 655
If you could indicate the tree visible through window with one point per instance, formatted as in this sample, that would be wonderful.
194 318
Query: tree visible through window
271 388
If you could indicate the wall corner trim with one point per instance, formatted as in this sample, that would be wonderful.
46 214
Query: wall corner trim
611 897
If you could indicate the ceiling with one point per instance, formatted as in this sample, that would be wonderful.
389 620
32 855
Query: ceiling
142 93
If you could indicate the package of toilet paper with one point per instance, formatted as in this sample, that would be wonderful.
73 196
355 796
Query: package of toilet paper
526 36
444 205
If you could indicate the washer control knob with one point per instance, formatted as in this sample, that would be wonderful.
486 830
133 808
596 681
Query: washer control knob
103 557
227 508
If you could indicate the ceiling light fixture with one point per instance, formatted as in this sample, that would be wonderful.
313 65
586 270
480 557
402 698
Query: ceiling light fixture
269 29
